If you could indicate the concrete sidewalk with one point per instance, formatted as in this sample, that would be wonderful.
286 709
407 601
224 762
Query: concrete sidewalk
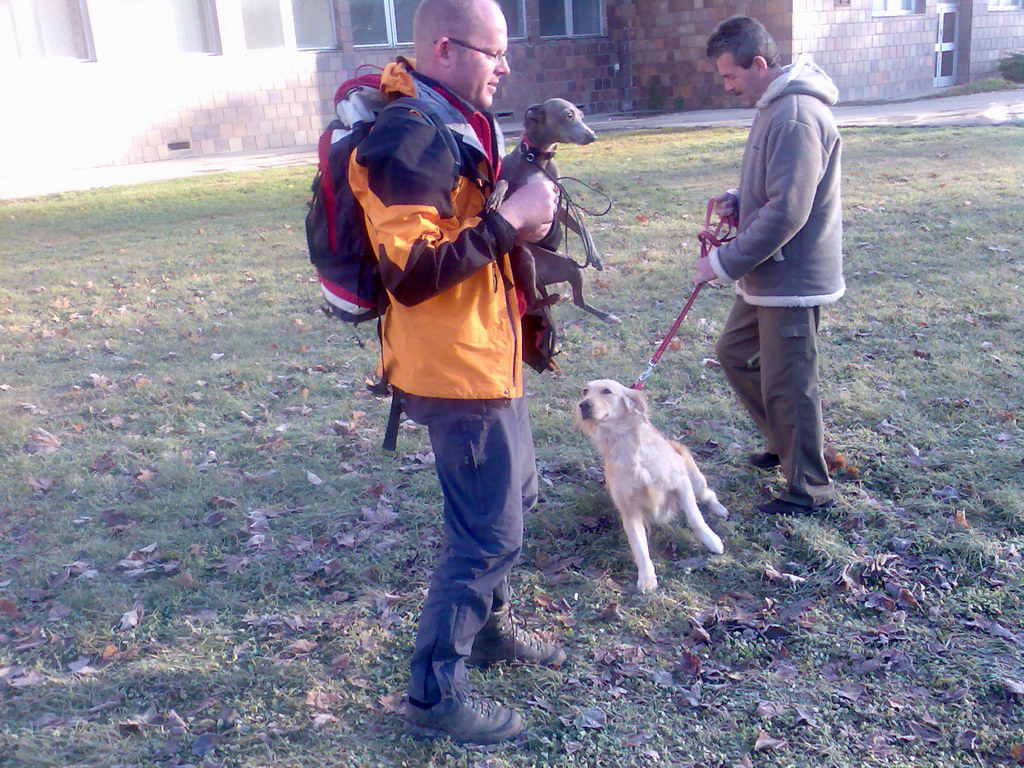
996 108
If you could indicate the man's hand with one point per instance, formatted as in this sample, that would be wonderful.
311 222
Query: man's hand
704 273
725 205
531 208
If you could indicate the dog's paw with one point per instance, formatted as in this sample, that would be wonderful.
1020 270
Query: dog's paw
647 584
719 511
712 542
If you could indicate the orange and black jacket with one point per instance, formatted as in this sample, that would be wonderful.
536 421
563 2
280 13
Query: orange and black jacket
452 329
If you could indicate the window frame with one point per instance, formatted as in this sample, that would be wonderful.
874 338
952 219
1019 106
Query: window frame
390 28
569 33
521 5
1005 5
286 10
333 9
213 24
27 33
915 8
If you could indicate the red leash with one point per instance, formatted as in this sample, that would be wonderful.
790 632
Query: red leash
722 233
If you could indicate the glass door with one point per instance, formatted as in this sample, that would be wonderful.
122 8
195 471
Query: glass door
945 45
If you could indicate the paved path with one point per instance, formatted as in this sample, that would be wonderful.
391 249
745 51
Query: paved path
996 108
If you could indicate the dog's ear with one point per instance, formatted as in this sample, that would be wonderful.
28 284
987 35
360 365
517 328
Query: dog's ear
535 114
636 401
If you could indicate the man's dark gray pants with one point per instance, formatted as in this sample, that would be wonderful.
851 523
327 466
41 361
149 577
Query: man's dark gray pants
770 357
484 456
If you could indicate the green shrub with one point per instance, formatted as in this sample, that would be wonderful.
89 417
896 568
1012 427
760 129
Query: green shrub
1012 67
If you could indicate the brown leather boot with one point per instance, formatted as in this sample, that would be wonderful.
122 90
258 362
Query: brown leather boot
465 719
501 640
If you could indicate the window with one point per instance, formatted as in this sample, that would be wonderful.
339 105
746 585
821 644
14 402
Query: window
304 24
513 10
389 22
382 22
314 24
1006 5
571 18
8 39
893 7
59 28
175 26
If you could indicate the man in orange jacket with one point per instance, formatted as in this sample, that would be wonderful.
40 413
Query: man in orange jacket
453 347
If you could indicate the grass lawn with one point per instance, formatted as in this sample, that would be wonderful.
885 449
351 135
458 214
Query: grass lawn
206 559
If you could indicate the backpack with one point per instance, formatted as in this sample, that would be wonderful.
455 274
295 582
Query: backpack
339 245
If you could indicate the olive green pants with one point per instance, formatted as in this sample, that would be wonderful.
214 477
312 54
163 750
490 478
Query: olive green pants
770 357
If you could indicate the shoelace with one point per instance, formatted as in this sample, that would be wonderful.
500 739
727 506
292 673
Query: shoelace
479 704
520 634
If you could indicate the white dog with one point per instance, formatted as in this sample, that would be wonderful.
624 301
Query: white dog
649 478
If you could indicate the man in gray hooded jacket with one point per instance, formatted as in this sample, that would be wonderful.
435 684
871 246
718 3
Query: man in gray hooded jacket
786 260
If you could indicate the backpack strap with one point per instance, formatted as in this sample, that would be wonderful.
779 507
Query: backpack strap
412 103
425 108
390 442
394 417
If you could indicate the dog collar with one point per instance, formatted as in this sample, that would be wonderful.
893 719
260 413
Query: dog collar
533 154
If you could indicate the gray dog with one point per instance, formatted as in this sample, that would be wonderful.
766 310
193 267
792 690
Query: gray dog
536 266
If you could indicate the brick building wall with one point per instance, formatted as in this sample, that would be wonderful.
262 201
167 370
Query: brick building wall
589 71
75 114
992 35
868 57
666 39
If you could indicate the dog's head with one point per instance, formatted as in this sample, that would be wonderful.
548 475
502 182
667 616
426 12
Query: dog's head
606 401
557 121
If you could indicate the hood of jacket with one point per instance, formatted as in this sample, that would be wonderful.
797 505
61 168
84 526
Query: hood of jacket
802 76
400 78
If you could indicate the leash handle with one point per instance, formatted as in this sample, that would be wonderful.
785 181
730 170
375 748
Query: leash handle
724 231
721 234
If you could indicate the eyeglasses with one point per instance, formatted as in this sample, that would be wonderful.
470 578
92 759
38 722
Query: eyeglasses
495 56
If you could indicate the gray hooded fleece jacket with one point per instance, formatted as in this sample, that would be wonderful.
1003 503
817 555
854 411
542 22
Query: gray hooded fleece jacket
789 250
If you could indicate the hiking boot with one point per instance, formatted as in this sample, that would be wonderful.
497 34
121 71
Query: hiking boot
764 460
781 507
465 719
501 640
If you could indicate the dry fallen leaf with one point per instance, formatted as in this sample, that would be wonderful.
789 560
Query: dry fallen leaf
103 463
321 700
320 719
769 709
131 619
1013 687
301 646
392 702
776 575
765 742
595 717
41 441
40 484
207 742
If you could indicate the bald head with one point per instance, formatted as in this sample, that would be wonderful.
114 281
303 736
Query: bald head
462 45
448 18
